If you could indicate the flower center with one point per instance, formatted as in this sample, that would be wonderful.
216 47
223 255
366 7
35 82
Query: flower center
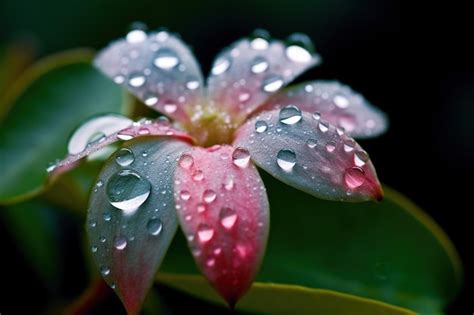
210 126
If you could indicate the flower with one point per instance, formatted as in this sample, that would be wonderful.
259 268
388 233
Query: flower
201 170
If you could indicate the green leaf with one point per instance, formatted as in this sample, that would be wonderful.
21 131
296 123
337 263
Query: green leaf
50 101
34 227
388 251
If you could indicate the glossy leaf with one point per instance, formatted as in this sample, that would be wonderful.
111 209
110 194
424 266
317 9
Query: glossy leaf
337 104
158 68
223 211
307 153
249 71
388 251
60 96
132 219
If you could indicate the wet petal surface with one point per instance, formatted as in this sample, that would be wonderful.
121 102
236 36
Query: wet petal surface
249 71
223 210
308 153
337 104
156 67
132 220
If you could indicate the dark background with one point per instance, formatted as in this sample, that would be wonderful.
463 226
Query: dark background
414 63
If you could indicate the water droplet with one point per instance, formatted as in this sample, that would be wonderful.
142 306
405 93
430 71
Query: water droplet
298 54
340 131
211 262
244 96
316 116
311 143
136 36
354 177
192 84
323 126
104 270
186 161
205 233
241 157
170 108
286 159
209 196
102 239
107 217
124 157
185 195
125 136
272 84
120 243
96 129
261 126
136 80
259 65
154 226
360 158
99 183
151 99
166 59
119 79
330 147
228 183
341 101
217 251
308 88
259 39
228 217
94 249
290 115
220 66
92 224
300 48
198 176
201 208
349 145
127 191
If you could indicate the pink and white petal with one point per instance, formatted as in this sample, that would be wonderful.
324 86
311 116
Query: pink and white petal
247 73
101 131
338 104
132 218
158 68
309 154
223 210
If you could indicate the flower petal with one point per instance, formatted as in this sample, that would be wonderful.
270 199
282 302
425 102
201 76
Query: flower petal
223 211
132 217
309 154
249 71
104 130
158 68
338 104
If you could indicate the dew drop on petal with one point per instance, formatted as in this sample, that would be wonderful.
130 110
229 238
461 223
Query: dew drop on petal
259 39
272 84
104 270
316 116
228 183
120 243
94 249
259 65
124 157
209 196
136 80
107 216
154 227
227 217
261 126
298 54
186 161
286 159
341 101
198 176
201 208
330 147
311 143
290 115
185 195
136 36
127 191
192 84
170 108
323 126
241 157
166 59
360 158
220 66
150 99
205 233
354 177
210 262
349 145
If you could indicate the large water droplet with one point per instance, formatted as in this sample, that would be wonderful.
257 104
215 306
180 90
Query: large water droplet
220 66
87 133
120 243
124 157
272 84
198 176
290 115
192 83
170 108
259 65
166 59
323 126
154 226
286 159
227 217
299 48
241 157
261 126
136 80
341 101
186 161
259 39
360 158
330 147
209 196
354 177
185 195
205 233
127 190
136 36
150 99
